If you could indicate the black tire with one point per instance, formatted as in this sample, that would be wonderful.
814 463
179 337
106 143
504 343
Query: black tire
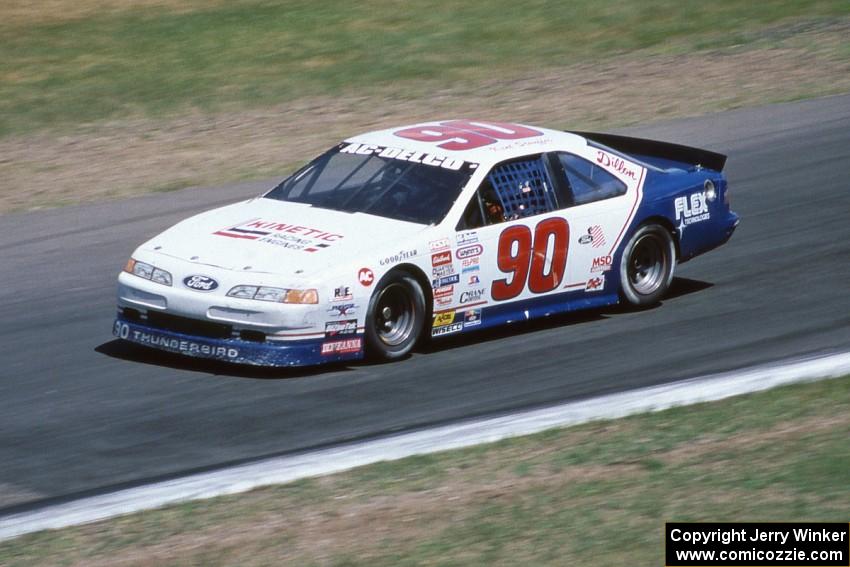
647 265
395 318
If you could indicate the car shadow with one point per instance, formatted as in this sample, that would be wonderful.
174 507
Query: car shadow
679 287
130 352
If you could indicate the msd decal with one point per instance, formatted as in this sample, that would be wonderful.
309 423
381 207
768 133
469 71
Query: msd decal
365 276
601 264
458 135
292 236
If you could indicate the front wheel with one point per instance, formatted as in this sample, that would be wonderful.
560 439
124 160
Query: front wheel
395 318
646 269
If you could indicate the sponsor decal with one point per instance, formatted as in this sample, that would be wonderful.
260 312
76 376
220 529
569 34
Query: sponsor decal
690 210
366 277
342 293
467 262
464 238
346 346
122 330
402 255
616 163
473 280
469 269
601 264
446 329
443 300
344 327
595 284
445 318
441 259
469 251
444 291
472 295
472 318
594 236
448 280
285 235
342 310
439 245
200 283
443 271
425 158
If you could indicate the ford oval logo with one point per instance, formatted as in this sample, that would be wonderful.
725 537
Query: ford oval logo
200 283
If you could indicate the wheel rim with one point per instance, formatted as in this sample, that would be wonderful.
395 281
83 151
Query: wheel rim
394 315
648 264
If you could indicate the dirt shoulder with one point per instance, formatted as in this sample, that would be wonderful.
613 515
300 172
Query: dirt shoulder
130 157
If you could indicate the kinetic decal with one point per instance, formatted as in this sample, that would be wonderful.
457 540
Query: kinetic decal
292 236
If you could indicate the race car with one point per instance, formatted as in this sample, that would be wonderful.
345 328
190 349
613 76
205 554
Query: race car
425 231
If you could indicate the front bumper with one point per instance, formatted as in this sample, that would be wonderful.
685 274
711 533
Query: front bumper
237 351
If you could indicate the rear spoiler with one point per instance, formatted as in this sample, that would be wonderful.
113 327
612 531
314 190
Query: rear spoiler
653 148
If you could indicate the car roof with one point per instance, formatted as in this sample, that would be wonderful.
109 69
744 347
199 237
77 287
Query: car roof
433 137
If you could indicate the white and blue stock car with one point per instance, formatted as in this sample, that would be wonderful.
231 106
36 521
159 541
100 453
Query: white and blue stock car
425 231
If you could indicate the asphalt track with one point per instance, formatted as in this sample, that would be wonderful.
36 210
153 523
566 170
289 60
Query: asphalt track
81 413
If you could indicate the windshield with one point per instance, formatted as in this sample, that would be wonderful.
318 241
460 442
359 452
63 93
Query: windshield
388 182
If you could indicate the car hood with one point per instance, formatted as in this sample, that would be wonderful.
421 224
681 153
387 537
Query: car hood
276 237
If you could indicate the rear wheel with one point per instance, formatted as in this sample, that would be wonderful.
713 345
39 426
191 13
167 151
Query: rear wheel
395 318
646 269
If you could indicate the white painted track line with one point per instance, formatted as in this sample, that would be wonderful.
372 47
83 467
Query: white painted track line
325 461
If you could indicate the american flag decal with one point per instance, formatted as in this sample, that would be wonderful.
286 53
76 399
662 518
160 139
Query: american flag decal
597 235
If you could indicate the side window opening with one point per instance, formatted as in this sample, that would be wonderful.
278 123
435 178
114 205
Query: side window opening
587 181
512 190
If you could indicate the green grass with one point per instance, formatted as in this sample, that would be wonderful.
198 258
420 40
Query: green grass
594 494
253 53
